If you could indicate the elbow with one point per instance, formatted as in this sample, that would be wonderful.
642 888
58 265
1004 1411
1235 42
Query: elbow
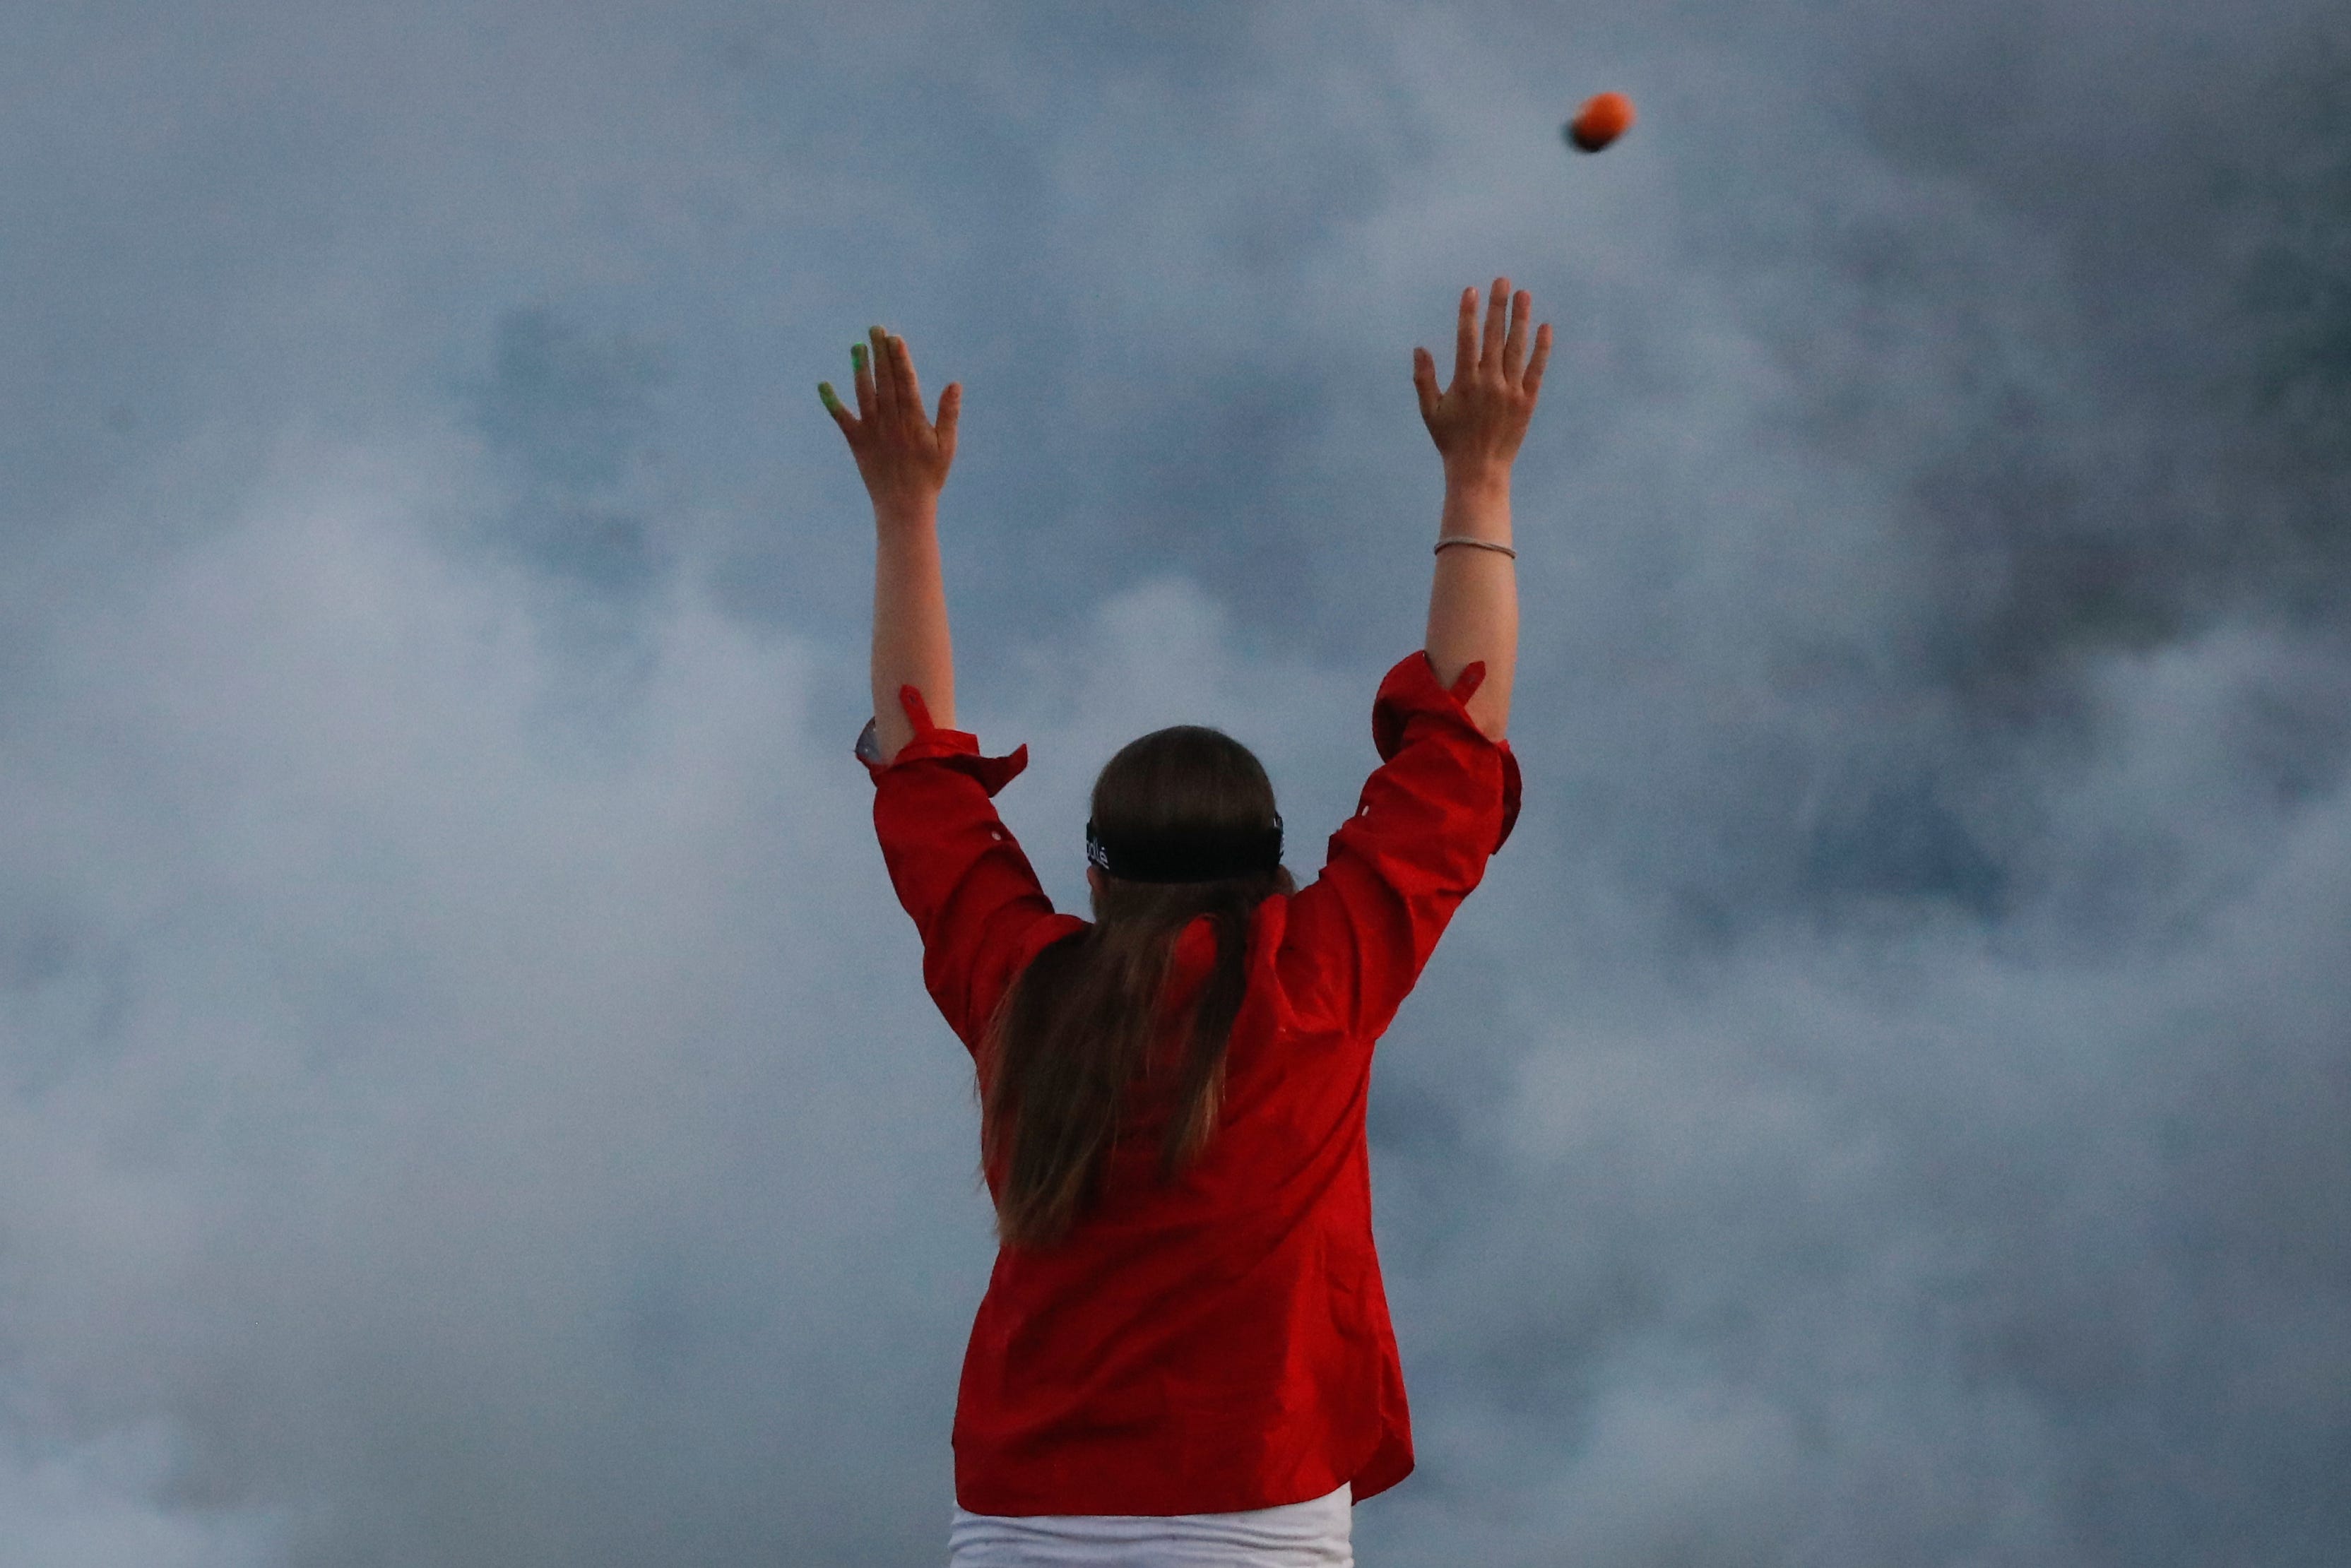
1489 708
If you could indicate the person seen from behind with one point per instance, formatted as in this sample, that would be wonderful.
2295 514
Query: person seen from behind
1184 1355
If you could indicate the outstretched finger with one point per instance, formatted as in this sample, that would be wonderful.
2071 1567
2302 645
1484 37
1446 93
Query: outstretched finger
1424 382
1465 339
1490 354
950 410
869 403
1514 347
885 380
902 377
1532 384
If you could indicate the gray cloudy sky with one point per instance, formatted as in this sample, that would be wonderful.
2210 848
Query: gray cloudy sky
466 1097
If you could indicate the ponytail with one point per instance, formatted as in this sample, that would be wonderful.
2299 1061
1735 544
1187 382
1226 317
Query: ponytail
1074 1033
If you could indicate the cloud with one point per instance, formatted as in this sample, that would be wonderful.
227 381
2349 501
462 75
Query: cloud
465 1089
93 1505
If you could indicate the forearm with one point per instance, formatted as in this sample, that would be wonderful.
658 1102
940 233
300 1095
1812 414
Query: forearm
1473 601
910 622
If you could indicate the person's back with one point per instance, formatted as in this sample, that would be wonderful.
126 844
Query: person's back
1185 1353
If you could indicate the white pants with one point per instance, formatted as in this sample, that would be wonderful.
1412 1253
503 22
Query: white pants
1314 1534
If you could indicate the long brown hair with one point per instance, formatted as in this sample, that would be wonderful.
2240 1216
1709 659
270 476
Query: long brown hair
1075 1028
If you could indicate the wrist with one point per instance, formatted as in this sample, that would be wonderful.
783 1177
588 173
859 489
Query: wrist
1484 480
1477 505
899 513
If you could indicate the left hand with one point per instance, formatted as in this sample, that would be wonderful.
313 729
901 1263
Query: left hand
902 456
1479 422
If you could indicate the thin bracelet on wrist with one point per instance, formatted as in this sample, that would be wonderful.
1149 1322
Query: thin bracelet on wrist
1481 544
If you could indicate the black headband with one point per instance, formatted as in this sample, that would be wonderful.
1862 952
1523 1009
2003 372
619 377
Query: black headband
1188 856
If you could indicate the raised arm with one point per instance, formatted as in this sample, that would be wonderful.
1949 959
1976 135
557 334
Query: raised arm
904 459
1478 423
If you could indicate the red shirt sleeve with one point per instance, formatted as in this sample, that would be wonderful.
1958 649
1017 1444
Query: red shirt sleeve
1442 801
956 868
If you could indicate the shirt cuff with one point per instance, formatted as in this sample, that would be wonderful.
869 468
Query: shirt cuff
956 749
1410 693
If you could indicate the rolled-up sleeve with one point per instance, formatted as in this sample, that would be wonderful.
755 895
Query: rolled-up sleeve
1443 799
957 869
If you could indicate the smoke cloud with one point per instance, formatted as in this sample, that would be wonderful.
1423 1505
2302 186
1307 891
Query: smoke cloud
467 1094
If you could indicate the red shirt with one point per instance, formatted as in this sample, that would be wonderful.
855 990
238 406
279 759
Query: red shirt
1220 1343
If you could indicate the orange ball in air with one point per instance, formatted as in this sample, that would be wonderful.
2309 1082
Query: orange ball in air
1603 119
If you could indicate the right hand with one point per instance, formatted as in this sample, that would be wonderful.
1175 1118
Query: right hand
1479 420
902 456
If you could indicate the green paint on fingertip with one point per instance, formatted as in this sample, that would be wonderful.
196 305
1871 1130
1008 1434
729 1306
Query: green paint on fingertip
831 399
857 355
